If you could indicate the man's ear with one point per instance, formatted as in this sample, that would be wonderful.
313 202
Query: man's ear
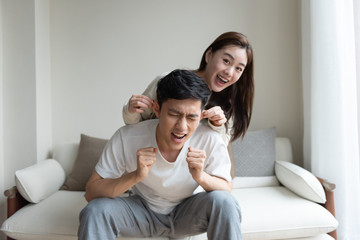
156 108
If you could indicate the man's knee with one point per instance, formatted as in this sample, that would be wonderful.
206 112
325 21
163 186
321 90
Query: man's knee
225 202
95 220
221 197
95 208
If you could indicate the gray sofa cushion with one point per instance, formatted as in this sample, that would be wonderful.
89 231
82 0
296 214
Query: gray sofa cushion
90 150
254 155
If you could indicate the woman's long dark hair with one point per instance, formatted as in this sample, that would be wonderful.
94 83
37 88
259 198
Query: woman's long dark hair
236 100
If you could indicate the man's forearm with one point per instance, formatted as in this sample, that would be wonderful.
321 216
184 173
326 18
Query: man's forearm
212 183
111 188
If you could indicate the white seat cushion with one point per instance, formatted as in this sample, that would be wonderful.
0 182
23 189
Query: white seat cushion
56 217
278 213
318 237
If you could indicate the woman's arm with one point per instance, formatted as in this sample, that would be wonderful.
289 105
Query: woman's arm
216 121
139 107
225 135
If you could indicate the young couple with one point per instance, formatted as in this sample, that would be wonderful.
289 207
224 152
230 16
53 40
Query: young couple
164 160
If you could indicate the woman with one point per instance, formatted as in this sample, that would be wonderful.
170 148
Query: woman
227 68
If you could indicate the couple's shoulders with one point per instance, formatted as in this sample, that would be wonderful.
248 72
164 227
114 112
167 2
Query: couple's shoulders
138 127
204 131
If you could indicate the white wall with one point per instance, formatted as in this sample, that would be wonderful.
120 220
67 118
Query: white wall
25 89
103 51
18 95
43 79
19 84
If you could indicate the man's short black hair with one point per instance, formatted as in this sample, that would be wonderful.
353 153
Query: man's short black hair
180 85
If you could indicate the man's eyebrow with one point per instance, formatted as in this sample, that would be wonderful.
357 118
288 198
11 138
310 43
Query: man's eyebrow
192 115
174 110
231 56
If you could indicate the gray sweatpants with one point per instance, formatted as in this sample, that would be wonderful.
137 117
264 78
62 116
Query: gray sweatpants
216 213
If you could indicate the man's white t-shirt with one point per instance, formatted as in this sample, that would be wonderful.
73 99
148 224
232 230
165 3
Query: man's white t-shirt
168 183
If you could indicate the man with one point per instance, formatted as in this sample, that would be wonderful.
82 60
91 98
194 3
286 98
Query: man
164 161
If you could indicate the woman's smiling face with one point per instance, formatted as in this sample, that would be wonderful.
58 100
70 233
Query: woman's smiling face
224 67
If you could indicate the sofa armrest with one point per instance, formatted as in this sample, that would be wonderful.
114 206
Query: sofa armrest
329 192
14 201
330 200
39 181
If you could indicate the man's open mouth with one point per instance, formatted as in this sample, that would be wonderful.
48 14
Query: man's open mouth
178 136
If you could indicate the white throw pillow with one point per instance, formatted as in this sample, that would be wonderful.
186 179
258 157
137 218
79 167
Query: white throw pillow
39 181
300 181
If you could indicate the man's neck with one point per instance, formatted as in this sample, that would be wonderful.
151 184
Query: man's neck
170 157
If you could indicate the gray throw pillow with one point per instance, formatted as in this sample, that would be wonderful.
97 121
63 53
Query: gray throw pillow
90 150
254 155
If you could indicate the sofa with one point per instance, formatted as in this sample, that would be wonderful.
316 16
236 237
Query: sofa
278 199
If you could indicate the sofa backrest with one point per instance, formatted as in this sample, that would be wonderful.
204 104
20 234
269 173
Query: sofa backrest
66 153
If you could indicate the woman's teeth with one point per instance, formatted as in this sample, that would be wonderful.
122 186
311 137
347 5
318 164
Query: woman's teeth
222 79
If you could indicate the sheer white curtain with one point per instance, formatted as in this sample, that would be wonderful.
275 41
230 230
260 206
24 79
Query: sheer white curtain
332 103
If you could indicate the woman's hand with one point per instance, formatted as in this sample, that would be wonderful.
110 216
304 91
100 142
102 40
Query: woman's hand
137 103
215 115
